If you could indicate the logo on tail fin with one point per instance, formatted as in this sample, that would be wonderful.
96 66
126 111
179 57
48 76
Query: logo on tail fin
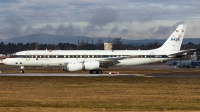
175 38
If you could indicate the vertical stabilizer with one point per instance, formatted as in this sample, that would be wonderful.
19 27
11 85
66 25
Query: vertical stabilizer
174 42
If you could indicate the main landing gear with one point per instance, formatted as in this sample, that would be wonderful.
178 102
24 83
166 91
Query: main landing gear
95 72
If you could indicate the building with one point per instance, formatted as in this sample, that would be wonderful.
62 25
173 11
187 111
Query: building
108 46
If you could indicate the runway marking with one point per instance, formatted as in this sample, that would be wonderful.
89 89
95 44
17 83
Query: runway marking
148 76
140 75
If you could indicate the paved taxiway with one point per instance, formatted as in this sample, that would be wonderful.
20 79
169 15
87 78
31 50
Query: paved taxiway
95 75
162 66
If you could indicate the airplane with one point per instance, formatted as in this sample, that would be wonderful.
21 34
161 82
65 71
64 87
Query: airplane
192 63
93 60
175 62
172 62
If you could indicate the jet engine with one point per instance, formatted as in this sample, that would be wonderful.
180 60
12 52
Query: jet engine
74 66
91 65
86 65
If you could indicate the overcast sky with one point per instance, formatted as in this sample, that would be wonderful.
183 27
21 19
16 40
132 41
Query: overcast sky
129 19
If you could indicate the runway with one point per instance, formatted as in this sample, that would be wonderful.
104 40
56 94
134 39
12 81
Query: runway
106 75
125 67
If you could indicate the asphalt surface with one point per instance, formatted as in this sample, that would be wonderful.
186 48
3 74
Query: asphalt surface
122 75
119 75
138 66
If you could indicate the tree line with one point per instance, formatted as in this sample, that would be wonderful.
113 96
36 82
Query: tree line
118 44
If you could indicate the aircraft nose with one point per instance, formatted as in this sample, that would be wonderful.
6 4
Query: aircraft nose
4 61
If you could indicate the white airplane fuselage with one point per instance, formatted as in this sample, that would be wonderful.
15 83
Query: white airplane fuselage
60 57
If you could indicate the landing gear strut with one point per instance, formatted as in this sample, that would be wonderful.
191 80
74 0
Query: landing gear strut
95 72
22 69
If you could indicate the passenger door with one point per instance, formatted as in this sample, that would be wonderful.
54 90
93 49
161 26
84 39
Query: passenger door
152 56
27 56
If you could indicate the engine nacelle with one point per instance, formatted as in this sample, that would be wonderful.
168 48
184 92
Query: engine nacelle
87 65
91 65
74 66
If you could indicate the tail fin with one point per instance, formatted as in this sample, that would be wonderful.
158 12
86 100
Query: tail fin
174 42
194 57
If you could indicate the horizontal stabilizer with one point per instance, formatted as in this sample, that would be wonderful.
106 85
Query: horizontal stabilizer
183 52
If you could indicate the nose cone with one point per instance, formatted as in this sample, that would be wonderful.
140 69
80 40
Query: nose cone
4 61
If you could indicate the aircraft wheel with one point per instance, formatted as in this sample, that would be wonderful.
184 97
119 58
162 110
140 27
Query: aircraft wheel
21 71
92 72
99 71
95 72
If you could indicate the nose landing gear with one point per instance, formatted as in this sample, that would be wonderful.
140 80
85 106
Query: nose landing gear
22 69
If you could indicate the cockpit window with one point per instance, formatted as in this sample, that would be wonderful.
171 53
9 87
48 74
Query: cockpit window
16 56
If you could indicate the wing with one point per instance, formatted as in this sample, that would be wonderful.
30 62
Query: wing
105 63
